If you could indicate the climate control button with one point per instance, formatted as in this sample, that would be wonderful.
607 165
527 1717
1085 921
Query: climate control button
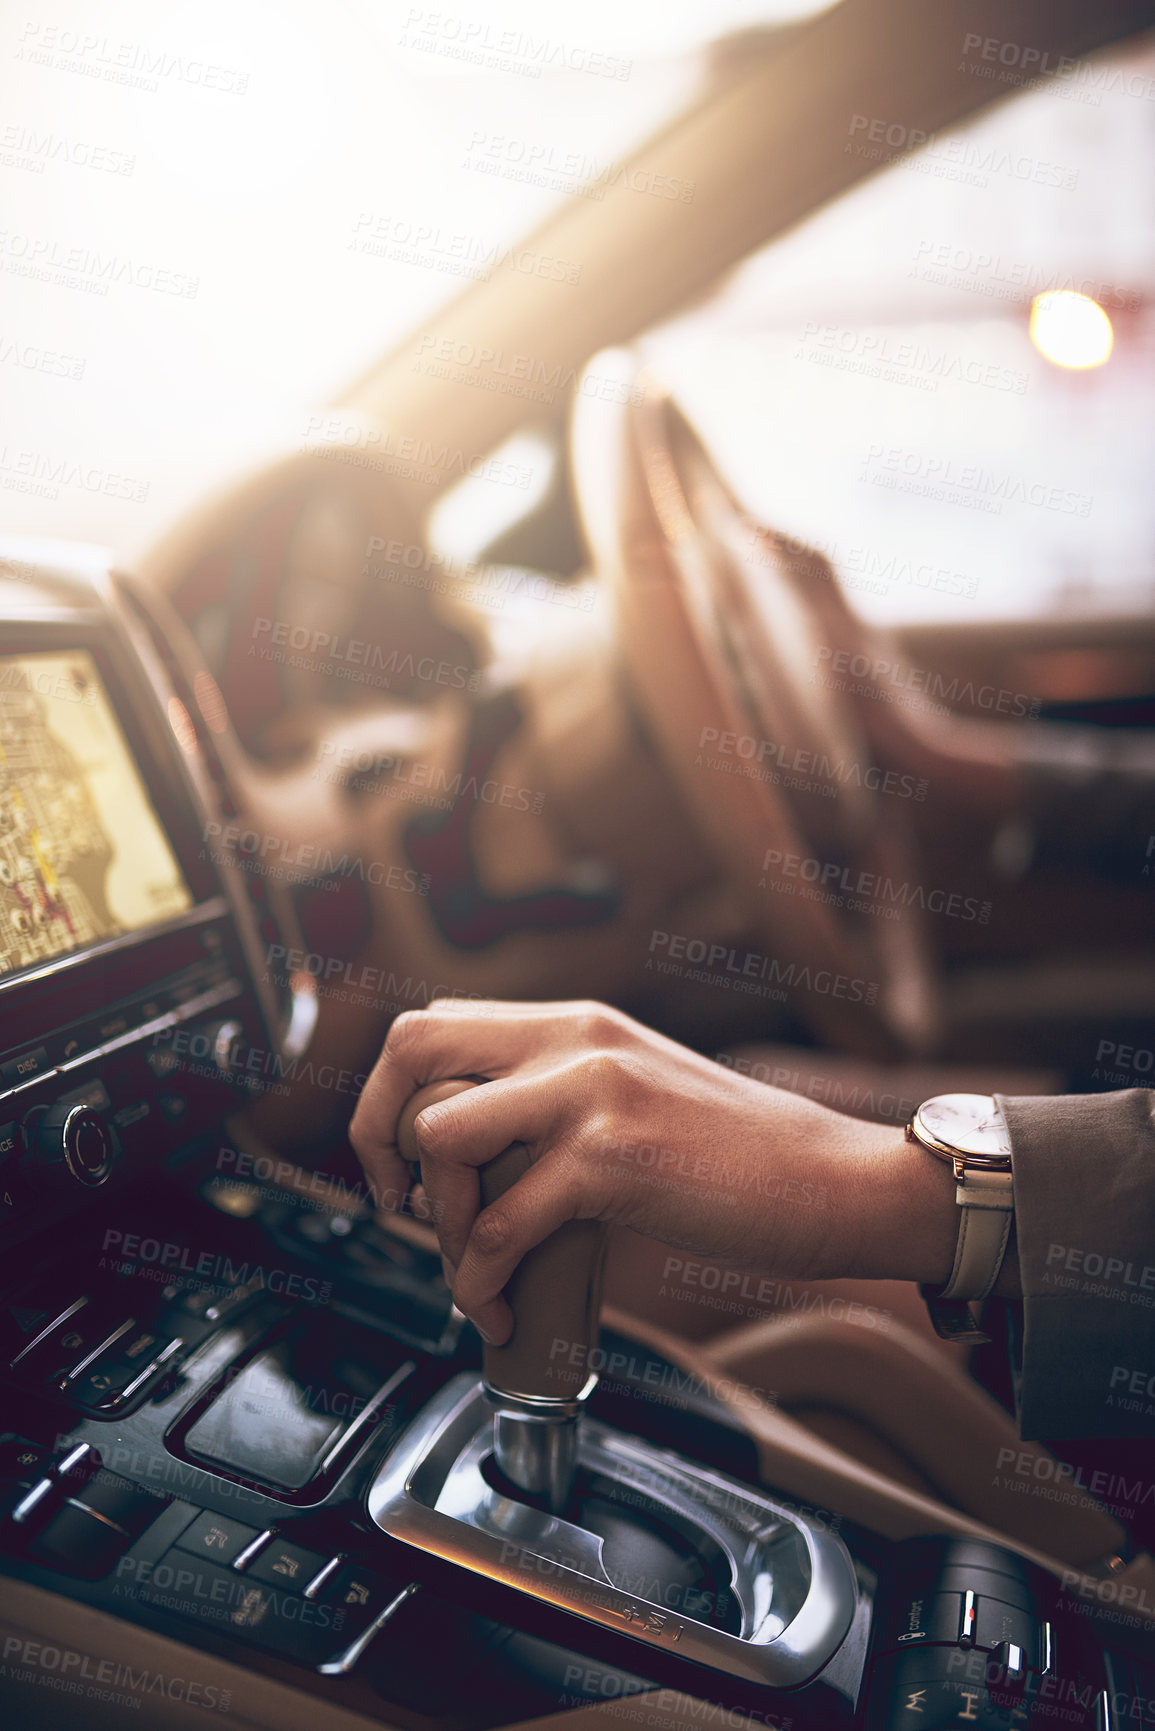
69 1142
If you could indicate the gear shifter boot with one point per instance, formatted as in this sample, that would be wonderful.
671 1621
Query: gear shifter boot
538 1381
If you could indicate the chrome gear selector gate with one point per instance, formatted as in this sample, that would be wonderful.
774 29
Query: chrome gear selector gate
508 1477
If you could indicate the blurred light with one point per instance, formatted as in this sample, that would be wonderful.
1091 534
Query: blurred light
181 723
558 34
1071 329
474 513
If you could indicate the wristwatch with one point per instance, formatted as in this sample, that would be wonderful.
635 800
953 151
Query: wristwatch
968 1132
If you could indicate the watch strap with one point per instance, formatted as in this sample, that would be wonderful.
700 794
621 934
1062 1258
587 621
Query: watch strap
986 1210
955 1319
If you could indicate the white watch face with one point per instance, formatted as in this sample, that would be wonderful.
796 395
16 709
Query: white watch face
972 1123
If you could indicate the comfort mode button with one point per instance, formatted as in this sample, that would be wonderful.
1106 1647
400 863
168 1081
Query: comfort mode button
28 1064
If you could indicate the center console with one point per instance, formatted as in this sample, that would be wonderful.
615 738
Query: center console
240 1409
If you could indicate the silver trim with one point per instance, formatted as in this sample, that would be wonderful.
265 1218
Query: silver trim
365 1420
967 1619
344 1662
32 1500
215 908
430 1493
49 1328
107 1520
244 1558
150 1369
535 1441
222 993
109 1340
73 1458
303 1017
322 1575
1046 1643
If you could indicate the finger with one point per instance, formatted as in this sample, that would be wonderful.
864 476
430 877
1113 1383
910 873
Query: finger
548 1195
455 1037
420 1205
452 1037
460 1135
425 1046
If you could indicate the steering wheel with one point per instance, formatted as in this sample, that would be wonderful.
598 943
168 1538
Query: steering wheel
724 631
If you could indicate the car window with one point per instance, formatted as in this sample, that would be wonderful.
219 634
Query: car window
890 384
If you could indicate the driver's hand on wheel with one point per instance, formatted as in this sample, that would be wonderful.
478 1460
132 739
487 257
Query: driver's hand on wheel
627 1126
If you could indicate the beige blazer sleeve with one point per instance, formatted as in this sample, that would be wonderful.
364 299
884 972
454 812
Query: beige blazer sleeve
1084 1180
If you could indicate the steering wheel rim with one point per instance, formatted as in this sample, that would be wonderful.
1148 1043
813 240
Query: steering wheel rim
719 625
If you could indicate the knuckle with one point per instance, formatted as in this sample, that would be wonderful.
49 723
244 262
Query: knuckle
607 1076
432 1139
598 1023
404 1031
492 1232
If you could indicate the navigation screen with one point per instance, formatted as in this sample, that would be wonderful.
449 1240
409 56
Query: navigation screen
83 856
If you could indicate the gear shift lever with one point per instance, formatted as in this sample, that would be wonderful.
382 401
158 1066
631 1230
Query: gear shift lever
539 1381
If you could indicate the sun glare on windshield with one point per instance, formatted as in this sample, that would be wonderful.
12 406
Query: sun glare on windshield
1071 329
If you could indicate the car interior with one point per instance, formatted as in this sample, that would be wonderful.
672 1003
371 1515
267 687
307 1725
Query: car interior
731 601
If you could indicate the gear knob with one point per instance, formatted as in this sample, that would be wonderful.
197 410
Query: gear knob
539 1380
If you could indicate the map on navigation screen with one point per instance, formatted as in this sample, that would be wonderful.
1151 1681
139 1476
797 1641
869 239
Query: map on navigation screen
83 856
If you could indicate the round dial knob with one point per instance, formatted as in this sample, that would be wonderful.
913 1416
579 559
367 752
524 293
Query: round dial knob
217 1043
69 1142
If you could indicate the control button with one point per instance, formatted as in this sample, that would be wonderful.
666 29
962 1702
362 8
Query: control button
130 1115
1011 1662
22 1460
218 1537
173 1107
359 1594
288 1566
87 1145
68 1142
116 1377
91 1093
931 1617
999 1626
80 1542
217 1043
928 1688
101 1335
966 1628
31 1317
69 1348
248 1610
162 1061
130 1507
12 1187
28 1064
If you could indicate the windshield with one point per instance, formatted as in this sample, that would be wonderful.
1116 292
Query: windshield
215 218
944 380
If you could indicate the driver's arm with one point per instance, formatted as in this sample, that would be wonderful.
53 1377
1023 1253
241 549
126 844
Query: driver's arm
1084 1178
627 1126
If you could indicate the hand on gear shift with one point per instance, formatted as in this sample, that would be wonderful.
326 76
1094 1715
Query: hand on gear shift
624 1125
